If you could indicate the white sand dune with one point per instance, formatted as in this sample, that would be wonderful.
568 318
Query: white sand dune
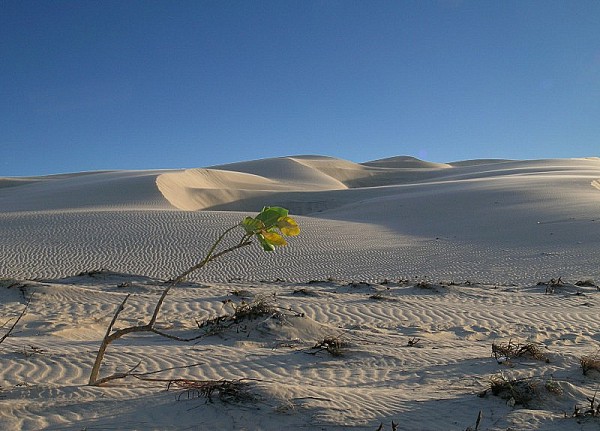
447 255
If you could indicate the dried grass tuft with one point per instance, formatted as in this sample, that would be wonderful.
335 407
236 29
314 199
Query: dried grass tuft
261 306
511 350
515 391
592 411
228 391
521 392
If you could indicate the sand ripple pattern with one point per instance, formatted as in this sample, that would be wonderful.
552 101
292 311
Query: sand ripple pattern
162 243
45 365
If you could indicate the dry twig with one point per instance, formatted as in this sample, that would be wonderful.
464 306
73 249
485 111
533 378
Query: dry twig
7 334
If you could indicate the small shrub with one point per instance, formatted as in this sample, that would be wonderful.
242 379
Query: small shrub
553 387
305 292
269 227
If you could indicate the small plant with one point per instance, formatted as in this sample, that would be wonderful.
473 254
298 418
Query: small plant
261 306
269 227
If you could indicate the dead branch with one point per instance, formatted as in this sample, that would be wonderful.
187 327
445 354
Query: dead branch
7 334
105 342
141 376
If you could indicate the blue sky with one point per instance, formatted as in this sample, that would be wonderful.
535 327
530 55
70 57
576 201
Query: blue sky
87 85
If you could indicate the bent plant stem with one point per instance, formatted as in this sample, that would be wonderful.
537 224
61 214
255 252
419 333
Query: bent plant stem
210 256
149 327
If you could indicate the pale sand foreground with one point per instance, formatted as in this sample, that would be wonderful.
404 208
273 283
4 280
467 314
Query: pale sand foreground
502 226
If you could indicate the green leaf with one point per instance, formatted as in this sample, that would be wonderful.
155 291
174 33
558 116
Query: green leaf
270 215
252 226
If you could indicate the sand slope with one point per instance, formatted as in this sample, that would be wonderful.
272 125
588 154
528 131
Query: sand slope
446 255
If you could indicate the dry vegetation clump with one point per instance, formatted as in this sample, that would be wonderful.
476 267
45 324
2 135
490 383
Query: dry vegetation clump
587 283
506 351
381 297
521 392
261 306
393 428
424 284
305 292
333 345
413 342
359 284
228 391
514 391
593 411
94 273
242 293
590 364
551 285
